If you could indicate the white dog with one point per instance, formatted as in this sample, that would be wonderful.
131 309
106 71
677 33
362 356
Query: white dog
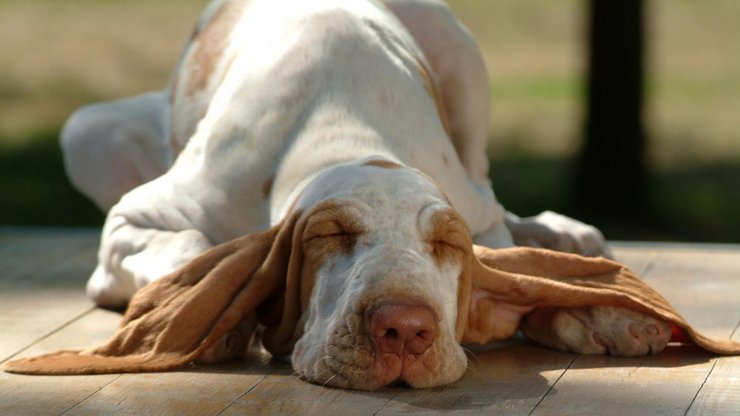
367 120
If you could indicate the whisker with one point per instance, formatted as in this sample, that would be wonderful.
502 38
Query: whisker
329 379
471 356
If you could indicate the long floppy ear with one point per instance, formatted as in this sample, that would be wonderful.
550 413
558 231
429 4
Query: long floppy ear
528 278
173 320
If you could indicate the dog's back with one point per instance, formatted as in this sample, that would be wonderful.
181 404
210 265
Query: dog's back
276 91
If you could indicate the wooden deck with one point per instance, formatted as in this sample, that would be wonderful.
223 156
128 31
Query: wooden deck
43 308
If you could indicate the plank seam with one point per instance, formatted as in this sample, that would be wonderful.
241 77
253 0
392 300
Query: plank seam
709 373
570 364
91 394
732 335
49 334
249 390
386 403
650 266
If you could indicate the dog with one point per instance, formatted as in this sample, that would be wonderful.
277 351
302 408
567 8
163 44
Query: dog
353 133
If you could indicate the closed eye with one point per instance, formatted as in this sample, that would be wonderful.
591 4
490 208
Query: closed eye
327 229
334 224
448 236
328 239
444 245
446 252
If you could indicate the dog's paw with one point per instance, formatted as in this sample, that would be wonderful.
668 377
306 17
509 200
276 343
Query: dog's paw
232 345
557 232
599 330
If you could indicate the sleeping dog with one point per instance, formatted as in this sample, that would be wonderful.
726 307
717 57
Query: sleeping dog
348 137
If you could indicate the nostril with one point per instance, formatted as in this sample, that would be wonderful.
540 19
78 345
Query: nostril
425 335
399 329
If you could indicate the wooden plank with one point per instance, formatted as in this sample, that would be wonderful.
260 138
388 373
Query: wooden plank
196 391
25 254
703 286
720 394
35 303
62 268
202 390
638 259
53 395
282 393
26 325
27 316
509 380
664 384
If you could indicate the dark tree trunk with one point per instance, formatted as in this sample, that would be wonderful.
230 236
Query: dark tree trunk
611 176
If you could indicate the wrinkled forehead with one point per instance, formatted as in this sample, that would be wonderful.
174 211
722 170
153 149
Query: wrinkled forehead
377 184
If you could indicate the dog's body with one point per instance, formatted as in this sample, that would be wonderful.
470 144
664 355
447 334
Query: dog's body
370 118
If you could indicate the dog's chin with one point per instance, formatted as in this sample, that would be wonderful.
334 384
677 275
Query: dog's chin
351 363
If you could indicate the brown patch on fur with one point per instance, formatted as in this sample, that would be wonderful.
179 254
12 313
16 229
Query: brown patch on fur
431 87
210 43
332 227
385 164
267 186
449 237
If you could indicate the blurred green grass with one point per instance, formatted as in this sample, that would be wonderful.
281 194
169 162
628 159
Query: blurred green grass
35 190
58 56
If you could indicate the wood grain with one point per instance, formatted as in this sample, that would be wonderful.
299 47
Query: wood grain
659 385
511 380
638 259
703 285
283 393
39 395
720 394
42 287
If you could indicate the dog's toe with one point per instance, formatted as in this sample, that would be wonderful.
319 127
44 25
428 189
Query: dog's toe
617 331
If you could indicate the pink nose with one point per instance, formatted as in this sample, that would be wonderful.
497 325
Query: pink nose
399 328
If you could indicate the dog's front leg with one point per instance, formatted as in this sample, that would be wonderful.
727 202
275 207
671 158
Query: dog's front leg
132 256
557 232
111 148
597 330
152 231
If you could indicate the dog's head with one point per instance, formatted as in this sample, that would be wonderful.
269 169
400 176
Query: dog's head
385 251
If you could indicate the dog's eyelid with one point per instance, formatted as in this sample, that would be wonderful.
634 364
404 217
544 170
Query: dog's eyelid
333 219
448 243
308 236
449 231
330 228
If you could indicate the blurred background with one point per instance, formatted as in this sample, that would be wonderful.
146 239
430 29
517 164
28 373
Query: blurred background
659 161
